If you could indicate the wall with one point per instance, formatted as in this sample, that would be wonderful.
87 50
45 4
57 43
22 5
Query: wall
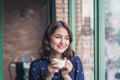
24 25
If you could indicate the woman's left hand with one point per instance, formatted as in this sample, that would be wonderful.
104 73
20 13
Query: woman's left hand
68 67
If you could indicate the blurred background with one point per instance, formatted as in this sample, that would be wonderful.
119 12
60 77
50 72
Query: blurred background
112 39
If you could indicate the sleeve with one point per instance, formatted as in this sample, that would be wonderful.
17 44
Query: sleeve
79 69
34 71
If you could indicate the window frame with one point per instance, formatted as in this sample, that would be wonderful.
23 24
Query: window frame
1 42
99 36
99 40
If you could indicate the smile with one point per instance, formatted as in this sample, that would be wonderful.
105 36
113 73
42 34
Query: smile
61 47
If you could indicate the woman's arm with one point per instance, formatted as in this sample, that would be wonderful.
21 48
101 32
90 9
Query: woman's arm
67 77
49 76
66 70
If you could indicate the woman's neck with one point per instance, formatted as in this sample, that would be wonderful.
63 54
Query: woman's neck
58 56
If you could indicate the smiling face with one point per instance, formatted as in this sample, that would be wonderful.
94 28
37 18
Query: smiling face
59 40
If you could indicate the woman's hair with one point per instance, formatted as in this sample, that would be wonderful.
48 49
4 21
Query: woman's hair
46 39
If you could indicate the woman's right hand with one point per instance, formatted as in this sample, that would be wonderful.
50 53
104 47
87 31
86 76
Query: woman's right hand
52 68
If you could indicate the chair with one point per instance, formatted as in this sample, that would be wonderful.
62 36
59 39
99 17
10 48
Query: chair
21 66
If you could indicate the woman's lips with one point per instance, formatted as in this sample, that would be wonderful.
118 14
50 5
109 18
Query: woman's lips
60 46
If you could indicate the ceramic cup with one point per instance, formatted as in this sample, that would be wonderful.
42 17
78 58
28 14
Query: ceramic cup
61 63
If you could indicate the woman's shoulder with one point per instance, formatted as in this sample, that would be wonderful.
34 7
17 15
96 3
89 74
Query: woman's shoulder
76 61
75 57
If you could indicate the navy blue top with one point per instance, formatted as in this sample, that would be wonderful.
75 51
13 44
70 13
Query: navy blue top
39 70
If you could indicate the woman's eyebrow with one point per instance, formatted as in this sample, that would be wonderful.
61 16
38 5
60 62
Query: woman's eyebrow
61 35
58 35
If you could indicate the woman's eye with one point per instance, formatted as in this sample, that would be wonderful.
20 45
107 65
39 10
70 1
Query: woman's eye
58 37
67 38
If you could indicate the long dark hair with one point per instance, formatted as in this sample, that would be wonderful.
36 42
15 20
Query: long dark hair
46 39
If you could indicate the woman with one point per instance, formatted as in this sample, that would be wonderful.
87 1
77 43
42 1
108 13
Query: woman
56 45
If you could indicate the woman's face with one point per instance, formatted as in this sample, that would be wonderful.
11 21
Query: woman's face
59 40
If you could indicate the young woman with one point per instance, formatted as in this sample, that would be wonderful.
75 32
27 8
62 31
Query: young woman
56 45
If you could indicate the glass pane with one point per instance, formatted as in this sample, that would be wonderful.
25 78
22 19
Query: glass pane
112 39
85 40
24 23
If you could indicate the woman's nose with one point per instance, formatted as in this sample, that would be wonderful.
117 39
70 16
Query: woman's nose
62 40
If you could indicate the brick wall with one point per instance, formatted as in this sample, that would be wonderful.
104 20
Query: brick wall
78 26
62 10
23 29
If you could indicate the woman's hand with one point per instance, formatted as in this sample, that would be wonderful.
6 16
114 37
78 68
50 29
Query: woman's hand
65 71
52 68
